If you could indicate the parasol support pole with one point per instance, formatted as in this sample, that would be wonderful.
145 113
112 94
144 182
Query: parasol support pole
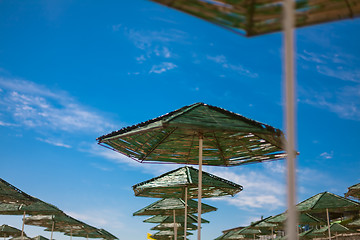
186 210
175 228
200 184
52 230
272 232
23 225
328 222
289 115
71 233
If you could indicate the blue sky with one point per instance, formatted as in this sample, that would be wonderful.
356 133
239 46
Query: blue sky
71 71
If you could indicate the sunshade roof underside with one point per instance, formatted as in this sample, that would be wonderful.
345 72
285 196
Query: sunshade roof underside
257 17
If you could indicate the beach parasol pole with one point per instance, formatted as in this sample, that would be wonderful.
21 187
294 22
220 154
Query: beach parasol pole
200 183
175 228
23 225
289 112
185 219
328 222
52 230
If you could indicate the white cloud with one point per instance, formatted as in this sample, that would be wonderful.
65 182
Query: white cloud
335 65
57 143
261 190
163 67
345 102
238 68
100 218
351 75
147 39
327 155
29 104
6 124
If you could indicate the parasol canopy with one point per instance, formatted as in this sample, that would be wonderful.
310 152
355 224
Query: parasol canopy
354 191
173 183
303 219
251 18
167 206
99 233
39 237
169 233
38 207
56 221
169 219
329 203
179 226
11 194
334 228
229 139
336 205
8 231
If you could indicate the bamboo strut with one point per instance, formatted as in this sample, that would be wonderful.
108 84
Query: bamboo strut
175 228
186 206
200 184
52 230
23 224
328 222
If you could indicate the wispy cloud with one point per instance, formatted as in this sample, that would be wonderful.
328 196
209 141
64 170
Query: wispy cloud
338 65
28 104
326 155
345 102
100 218
260 190
163 67
238 68
57 143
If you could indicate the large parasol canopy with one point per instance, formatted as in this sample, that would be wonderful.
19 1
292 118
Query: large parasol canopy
198 134
169 206
37 208
8 231
11 194
329 203
303 219
55 222
229 139
92 234
169 226
167 234
354 191
169 219
39 237
175 182
260 17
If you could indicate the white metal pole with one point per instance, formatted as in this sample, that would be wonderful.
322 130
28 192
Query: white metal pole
289 112
23 225
328 222
200 184
175 228
186 206
52 230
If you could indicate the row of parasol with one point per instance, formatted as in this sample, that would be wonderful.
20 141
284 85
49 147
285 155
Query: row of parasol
13 201
324 215
197 134
174 211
